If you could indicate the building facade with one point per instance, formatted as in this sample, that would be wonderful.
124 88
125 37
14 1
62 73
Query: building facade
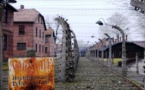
50 42
29 32
7 30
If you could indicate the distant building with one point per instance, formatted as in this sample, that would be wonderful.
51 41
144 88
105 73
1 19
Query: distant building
50 42
7 29
29 32
140 43
131 50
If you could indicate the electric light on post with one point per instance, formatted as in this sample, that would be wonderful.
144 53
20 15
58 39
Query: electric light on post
124 68
102 56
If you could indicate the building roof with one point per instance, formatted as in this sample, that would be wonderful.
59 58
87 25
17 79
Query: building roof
140 43
107 47
27 15
50 31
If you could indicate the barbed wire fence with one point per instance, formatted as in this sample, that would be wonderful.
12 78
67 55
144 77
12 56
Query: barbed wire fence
69 53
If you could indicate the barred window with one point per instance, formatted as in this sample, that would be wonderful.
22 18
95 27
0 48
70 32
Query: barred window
40 33
36 32
5 42
46 51
42 48
21 46
39 48
21 30
36 47
43 35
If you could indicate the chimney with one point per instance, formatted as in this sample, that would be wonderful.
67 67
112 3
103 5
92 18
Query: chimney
126 37
21 6
117 37
120 39
113 40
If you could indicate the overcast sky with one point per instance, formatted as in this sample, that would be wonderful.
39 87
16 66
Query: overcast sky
81 14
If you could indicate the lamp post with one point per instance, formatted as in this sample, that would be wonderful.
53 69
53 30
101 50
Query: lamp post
2 5
87 49
124 68
102 56
93 51
110 51
97 53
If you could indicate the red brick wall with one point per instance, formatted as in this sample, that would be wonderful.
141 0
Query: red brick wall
26 38
7 30
29 38
40 41
9 51
51 43
51 46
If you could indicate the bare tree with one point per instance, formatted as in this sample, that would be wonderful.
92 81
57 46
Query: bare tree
116 19
141 25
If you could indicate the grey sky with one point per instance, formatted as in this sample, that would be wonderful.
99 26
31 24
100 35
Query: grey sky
81 14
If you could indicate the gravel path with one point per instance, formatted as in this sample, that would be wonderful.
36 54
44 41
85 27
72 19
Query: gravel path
92 76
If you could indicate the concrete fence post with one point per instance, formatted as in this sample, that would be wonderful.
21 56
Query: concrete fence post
137 68
66 64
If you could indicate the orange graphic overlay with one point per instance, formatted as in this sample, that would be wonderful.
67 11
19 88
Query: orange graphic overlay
31 73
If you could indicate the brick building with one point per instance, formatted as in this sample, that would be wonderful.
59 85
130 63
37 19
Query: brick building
29 32
7 29
50 42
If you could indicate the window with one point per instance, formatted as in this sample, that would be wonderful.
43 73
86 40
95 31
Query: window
5 42
36 32
42 48
46 39
21 29
41 21
43 35
40 33
36 47
5 16
46 50
21 46
38 19
39 48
